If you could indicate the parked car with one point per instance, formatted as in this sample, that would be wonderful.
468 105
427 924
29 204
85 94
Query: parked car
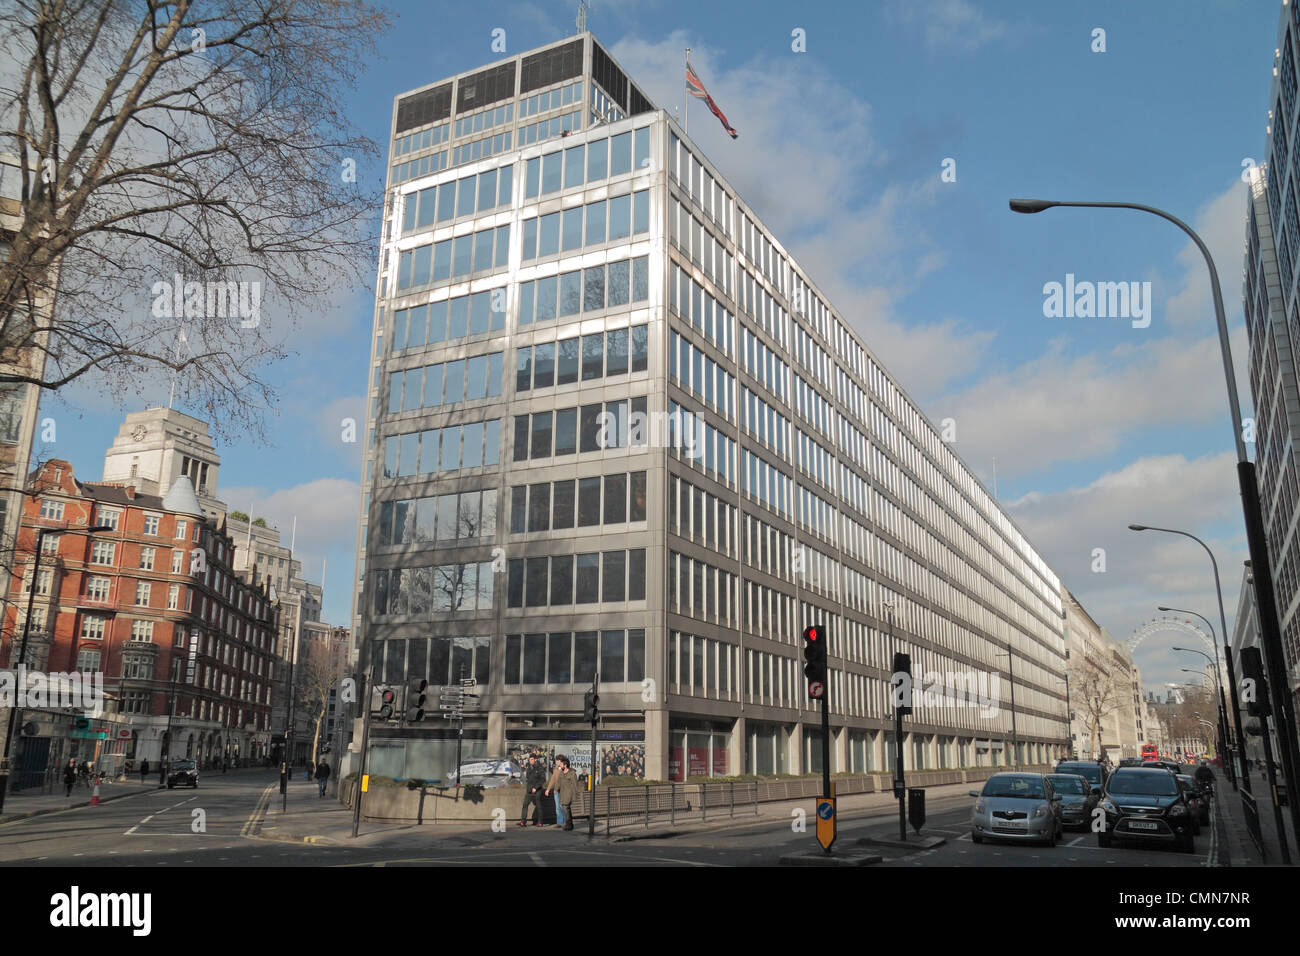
1016 806
1171 765
183 773
1131 762
1090 770
1197 799
1146 804
1078 799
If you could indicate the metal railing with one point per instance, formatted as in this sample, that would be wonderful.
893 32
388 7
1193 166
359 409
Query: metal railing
671 803
1250 808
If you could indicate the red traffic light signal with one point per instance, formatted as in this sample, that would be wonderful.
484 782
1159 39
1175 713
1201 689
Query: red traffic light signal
387 704
814 652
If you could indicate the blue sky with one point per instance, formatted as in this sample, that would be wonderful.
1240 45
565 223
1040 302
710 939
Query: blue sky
1093 424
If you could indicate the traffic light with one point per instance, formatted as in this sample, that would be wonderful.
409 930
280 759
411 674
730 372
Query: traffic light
589 711
415 699
1252 669
814 652
387 703
902 681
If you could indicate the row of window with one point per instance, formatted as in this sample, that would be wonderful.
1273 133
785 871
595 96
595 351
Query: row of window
701 591
441 450
576 658
485 119
605 286
694 303
463 197
562 580
444 383
551 100
601 355
587 163
769 484
483 148
422 139
439 660
698 244
567 431
698 442
699 666
607 220
464 255
600 499
422 166
449 319
698 373
454 517
695 514
544 130
765 423
440 589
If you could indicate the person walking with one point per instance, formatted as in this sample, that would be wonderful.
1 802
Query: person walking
70 776
534 784
322 775
566 790
144 770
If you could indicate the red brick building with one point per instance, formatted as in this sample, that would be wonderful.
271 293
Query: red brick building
155 605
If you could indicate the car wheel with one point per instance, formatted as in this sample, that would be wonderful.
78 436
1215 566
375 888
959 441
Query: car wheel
170 785
1187 845
976 838
1051 839
1103 840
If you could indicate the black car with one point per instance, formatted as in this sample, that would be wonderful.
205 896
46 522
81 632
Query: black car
1078 798
183 773
1131 762
1170 765
1146 804
1090 770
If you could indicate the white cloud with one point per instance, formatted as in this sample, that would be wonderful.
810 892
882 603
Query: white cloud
948 24
1144 569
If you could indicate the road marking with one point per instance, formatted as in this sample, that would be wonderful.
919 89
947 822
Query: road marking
132 830
1076 841
253 825
537 858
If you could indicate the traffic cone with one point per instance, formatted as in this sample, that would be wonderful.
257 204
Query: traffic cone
94 797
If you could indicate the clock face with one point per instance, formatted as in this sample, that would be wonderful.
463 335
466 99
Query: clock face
139 432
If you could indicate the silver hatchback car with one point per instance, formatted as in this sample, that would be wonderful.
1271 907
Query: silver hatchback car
1016 806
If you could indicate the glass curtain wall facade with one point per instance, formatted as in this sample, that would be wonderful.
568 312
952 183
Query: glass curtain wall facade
1272 315
616 431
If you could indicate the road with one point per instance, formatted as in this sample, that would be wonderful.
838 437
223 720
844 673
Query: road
224 823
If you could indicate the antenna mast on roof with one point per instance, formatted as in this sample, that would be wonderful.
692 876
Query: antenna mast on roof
582 16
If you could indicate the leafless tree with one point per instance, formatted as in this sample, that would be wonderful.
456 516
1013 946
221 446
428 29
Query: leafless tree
1095 693
179 152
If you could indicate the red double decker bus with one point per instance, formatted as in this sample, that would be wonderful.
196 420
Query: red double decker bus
1148 752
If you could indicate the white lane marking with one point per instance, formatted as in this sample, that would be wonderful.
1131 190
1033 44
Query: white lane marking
1075 842
537 859
133 829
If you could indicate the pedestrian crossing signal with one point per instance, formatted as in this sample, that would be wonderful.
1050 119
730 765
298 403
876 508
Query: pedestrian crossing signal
387 704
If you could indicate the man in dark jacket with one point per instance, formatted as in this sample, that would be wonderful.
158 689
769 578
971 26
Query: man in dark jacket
534 785
322 775
1205 776
70 776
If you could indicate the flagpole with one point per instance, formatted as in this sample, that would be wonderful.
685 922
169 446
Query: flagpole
686 114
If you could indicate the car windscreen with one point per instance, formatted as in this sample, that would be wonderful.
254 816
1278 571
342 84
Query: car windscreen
1066 783
1025 788
1143 782
1090 770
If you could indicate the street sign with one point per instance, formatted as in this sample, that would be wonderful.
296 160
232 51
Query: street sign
826 822
816 690
88 734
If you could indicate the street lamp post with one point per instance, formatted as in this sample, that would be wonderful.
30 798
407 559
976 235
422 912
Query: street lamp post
1224 737
1265 599
15 712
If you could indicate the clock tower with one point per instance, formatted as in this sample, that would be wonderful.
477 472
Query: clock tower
154 447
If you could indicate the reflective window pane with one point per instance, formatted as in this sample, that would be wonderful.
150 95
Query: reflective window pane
597 150
620 154
567 371
566 431
544 365
574 160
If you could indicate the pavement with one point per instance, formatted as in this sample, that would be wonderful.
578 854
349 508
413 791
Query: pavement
1236 847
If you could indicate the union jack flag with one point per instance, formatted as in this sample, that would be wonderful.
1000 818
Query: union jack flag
696 89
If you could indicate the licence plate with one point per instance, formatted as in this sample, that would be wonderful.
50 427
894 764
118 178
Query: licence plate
1143 825
1013 824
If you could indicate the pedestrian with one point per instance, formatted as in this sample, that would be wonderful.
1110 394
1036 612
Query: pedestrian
552 789
322 775
534 784
223 764
567 790
70 776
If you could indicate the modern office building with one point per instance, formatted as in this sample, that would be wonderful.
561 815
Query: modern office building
1272 314
616 429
